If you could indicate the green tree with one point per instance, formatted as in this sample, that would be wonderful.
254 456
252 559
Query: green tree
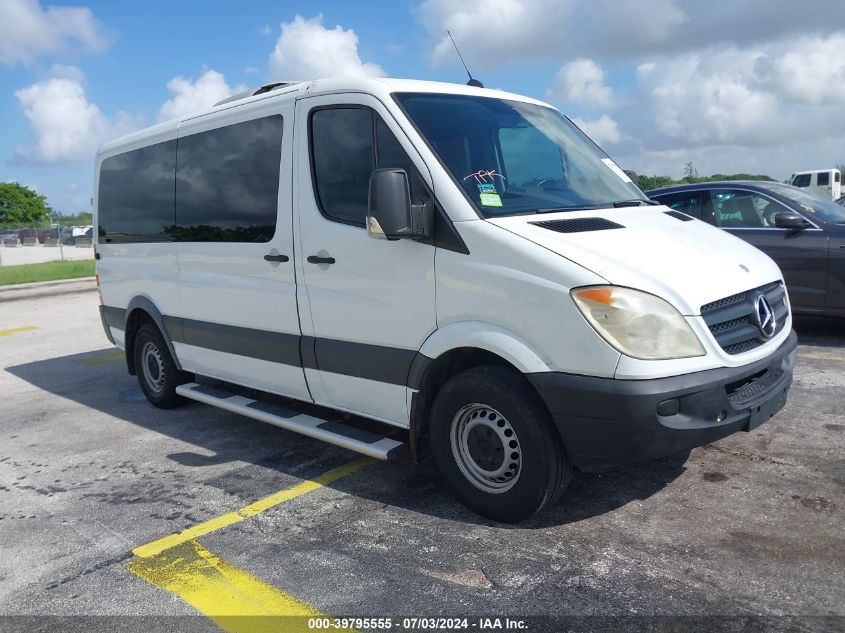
21 205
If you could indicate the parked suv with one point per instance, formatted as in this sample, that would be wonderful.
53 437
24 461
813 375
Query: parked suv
445 270
802 232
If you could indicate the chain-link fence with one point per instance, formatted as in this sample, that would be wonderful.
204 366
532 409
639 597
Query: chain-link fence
45 242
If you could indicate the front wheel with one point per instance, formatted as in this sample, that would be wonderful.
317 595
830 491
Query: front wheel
495 446
157 373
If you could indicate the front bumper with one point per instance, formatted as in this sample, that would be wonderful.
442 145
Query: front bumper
605 422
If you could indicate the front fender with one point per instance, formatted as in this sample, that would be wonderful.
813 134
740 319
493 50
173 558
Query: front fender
486 336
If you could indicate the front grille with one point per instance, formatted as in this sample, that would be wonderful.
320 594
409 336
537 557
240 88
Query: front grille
732 320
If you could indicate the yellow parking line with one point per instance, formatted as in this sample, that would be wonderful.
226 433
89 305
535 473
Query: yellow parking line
102 359
838 359
15 330
162 544
235 600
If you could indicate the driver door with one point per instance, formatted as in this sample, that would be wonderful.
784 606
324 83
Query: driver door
366 305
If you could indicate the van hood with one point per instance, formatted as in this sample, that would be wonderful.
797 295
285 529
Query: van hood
688 263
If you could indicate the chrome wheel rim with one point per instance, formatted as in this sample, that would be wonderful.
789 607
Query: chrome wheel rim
152 366
486 448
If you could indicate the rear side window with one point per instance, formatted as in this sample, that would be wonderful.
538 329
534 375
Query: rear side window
347 144
688 202
823 178
135 197
836 176
801 180
227 182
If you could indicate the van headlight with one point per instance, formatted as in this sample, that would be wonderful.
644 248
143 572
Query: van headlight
636 323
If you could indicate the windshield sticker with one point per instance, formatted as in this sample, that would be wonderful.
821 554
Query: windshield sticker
486 187
485 175
616 170
491 200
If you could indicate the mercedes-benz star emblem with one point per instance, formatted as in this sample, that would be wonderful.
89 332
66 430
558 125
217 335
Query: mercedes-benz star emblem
765 317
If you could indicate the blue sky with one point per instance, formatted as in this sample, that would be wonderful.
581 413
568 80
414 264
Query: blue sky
754 86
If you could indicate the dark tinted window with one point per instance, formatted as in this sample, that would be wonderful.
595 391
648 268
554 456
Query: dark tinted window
135 199
734 208
688 202
823 178
346 145
227 182
342 151
801 180
836 176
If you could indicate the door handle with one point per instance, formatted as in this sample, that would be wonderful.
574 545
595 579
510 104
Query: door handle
314 259
276 258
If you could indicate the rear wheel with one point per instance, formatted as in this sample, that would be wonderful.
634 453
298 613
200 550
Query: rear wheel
157 373
495 446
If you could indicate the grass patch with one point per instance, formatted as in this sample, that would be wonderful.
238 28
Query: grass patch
48 271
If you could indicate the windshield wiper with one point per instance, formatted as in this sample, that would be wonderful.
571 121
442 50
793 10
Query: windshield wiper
636 202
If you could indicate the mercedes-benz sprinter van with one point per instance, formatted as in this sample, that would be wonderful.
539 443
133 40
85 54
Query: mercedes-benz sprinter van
412 268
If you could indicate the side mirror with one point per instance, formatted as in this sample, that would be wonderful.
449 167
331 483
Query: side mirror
789 220
632 175
390 215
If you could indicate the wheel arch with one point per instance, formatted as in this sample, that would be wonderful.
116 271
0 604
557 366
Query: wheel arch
142 310
453 349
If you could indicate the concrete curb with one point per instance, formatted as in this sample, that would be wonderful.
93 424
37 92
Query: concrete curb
47 288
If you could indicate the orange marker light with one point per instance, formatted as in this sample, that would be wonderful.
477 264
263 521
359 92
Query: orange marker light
598 295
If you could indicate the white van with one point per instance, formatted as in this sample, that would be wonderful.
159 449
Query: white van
824 182
444 270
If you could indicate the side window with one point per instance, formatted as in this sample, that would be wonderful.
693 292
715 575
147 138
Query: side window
744 209
823 178
347 144
342 155
135 195
688 202
801 180
836 176
227 182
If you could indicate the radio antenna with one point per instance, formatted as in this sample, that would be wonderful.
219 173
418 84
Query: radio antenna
472 81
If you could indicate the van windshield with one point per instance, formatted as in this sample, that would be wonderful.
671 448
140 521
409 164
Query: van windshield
512 157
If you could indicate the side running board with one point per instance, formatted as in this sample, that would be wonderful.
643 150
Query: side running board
333 431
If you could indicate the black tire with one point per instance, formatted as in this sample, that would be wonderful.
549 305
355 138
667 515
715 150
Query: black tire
156 371
477 399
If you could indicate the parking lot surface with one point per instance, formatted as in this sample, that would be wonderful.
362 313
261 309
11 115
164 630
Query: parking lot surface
92 477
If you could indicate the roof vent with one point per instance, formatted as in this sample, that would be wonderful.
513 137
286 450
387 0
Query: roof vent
578 225
276 85
683 217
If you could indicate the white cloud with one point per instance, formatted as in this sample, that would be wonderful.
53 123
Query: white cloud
66 126
771 108
812 70
308 50
27 31
194 96
497 32
603 130
582 82
757 96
